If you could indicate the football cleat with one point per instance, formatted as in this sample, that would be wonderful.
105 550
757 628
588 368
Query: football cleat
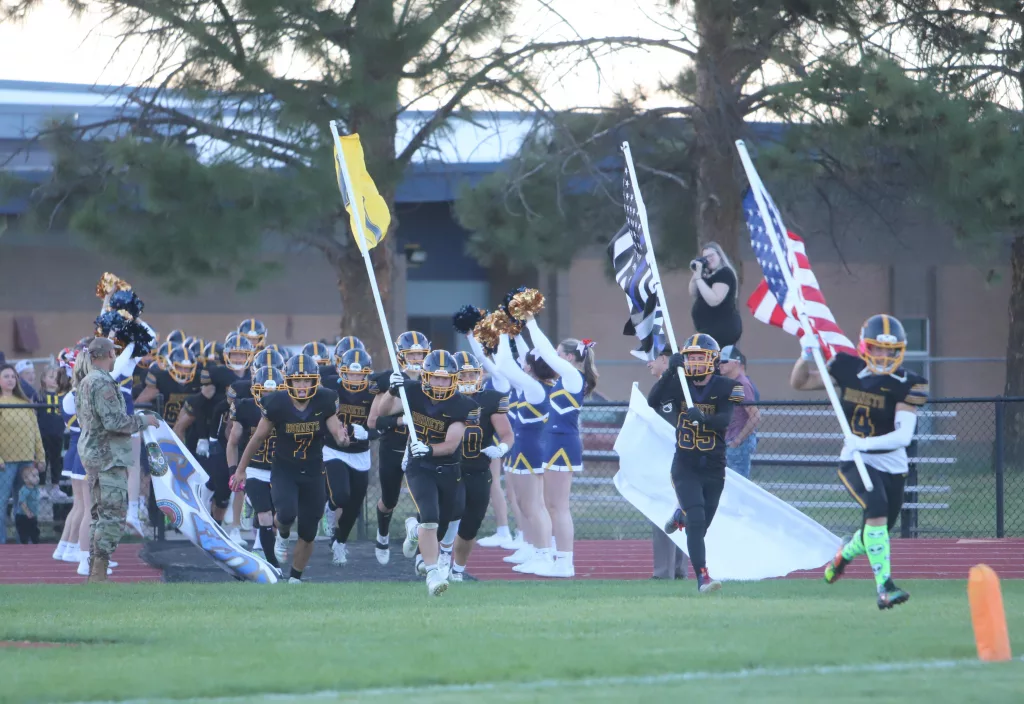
436 583
382 551
705 584
677 522
890 595
835 568
339 553
412 538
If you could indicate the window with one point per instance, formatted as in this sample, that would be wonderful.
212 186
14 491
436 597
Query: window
917 330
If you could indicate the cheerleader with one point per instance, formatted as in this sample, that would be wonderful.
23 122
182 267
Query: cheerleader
574 373
526 464
502 537
67 548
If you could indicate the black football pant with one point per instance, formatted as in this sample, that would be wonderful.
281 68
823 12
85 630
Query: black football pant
884 501
477 489
346 489
699 482
434 491
391 475
300 496
216 465
259 495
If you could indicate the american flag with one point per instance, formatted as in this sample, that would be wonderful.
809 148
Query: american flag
772 301
628 253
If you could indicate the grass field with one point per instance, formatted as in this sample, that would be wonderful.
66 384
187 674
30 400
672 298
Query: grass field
780 641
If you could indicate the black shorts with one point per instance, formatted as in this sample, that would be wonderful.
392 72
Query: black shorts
884 501
298 496
434 490
391 475
259 494
477 490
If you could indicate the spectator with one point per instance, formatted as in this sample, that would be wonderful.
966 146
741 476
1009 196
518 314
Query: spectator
740 438
27 373
20 441
714 288
51 426
669 560
26 512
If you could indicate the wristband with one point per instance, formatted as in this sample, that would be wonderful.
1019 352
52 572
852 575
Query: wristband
387 422
233 468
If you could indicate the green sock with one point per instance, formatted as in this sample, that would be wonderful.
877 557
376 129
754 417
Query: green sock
876 541
854 548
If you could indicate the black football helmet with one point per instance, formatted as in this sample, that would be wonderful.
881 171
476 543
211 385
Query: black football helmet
319 352
355 369
300 369
437 367
471 372
883 343
700 356
176 337
267 358
266 380
255 330
238 352
349 342
181 364
413 347
214 352
161 353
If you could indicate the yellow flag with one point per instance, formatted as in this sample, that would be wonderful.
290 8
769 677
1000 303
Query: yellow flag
371 211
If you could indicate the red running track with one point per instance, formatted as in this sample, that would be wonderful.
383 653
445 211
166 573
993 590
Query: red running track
911 559
34 564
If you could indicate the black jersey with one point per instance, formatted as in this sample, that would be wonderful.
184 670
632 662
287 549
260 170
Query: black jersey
715 400
247 414
300 434
353 409
869 400
204 422
433 418
174 393
480 435
396 438
223 378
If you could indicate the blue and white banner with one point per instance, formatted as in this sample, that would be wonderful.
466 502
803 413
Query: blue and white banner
754 535
178 487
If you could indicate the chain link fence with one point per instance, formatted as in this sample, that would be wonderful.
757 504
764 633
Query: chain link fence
966 474
963 481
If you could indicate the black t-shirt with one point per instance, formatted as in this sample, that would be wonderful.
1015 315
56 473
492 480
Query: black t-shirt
247 414
353 409
723 321
479 435
396 438
300 434
433 419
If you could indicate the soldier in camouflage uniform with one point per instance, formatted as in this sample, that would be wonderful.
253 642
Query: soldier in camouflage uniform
105 447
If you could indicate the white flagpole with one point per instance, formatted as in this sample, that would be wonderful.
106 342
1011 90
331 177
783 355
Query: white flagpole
645 228
361 240
775 237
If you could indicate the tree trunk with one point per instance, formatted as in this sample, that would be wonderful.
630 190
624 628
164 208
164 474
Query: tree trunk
717 124
359 312
1014 427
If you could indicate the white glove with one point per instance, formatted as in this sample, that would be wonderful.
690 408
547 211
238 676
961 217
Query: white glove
203 448
496 451
855 443
419 448
359 432
395 382
808 343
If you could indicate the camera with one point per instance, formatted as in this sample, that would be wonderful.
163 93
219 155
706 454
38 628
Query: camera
702 260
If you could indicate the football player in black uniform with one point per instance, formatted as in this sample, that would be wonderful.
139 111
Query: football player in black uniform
301 416
198 419
698 468
268 358
478 449
256 331
348 468
412 348
245 415
349 342
441 416
880 400
175 383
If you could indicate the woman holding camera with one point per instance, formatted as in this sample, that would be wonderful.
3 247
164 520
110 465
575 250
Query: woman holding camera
714 288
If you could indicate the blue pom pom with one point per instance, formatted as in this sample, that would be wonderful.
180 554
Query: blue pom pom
466 318
127 301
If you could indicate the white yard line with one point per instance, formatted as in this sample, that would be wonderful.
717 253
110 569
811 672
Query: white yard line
591 682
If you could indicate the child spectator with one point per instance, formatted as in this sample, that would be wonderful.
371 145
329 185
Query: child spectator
51 427
26 513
